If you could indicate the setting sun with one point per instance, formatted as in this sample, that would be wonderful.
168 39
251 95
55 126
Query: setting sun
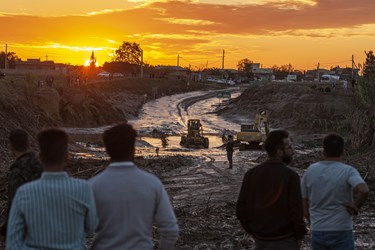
87 63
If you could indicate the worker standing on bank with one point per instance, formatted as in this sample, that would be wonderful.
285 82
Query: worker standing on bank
230 149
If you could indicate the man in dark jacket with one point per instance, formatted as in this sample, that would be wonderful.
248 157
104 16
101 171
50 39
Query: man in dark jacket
269 205
25 168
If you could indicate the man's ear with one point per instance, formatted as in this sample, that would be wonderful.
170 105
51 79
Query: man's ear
279 153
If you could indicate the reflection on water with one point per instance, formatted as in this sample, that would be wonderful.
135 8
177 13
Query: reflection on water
146 146
174 142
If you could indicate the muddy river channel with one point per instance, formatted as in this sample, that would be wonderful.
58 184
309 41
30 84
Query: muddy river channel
202 189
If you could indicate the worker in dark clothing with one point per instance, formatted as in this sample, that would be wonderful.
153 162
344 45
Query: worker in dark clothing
25 168
230 149
269 205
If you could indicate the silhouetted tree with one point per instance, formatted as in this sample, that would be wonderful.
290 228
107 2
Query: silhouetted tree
245 66
128 52
120 67
369 67
283 71
366 84
92 60
11 57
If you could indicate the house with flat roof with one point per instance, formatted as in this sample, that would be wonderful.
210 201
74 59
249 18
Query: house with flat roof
35 64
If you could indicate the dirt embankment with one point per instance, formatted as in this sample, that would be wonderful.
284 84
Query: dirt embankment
296 107
24 104
310 114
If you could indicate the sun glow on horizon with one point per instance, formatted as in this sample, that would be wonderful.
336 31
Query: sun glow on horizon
87 63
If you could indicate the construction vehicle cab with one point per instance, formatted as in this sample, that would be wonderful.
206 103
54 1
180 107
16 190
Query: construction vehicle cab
253 135
194 136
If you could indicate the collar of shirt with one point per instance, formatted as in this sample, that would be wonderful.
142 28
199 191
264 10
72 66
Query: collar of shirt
120 164
275 161
55 175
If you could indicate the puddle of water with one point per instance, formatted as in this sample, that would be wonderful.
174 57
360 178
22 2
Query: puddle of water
174 142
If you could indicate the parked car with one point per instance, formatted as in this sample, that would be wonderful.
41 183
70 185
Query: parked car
117 75
104 74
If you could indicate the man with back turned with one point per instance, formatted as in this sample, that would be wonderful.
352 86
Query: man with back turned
269 205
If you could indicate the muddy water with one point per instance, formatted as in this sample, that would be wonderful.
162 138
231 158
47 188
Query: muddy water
167 114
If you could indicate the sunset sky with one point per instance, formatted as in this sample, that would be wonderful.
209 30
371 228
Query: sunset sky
302 33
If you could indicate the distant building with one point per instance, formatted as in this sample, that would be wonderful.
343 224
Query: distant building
35 64
316 74
346 73
263 74
171 72
343 73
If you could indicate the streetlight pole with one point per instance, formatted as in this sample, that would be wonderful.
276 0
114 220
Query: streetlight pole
141 63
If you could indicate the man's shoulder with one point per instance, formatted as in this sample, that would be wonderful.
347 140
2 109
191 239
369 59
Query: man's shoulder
27 163
318 166
273 164
280 167
29 186
137 173
148 176
78 181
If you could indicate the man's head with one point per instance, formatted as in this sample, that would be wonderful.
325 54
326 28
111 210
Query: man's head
53 146
279 146
230 137
333 145
19 140
119 142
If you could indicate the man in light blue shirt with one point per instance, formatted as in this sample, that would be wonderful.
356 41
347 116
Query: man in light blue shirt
55 211
327 191
129 200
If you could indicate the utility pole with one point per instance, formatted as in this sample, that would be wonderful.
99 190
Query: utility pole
141 63
222 63
317 72
178 60
352 66
207 64
6 56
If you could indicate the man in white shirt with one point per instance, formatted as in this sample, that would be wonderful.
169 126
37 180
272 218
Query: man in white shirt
129 200
327 192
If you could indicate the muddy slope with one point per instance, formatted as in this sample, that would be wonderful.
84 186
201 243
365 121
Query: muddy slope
24 104
296 107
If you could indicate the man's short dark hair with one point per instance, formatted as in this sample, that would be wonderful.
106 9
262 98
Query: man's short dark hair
275 141
19 140
333 145
230 136
53 145
119 141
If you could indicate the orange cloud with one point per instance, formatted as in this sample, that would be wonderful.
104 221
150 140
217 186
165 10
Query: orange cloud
195 28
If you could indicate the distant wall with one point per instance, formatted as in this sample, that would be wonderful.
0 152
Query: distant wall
15 72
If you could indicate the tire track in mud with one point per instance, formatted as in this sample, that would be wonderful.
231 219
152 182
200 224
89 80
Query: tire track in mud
206 181
184 104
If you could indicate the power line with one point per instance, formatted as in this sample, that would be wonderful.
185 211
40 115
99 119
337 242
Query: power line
337 62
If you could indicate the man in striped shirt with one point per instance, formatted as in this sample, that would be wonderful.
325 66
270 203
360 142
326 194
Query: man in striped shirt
55 211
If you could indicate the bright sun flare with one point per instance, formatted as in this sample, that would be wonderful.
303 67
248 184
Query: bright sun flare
87 63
